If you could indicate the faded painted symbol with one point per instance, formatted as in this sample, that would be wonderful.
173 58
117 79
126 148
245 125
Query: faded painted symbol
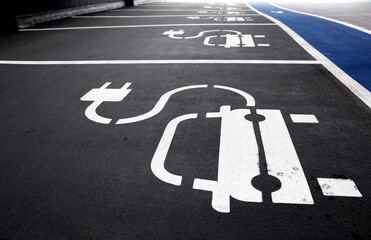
239 161
220 38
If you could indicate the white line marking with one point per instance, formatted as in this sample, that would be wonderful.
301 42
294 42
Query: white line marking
263 45
180 5
338 187
282 160
144 26
158 16
259 36
361 92
158 160
124 62
250 101
326 18
159 105
168 10
303 118
238 161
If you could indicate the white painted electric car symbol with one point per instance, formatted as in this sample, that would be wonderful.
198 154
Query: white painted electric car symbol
230 38
223 19
239 161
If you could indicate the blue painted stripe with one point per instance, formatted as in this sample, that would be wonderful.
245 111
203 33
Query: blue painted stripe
348 48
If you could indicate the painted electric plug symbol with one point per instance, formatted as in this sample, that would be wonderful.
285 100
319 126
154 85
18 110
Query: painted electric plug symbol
100 95
231 38
245 133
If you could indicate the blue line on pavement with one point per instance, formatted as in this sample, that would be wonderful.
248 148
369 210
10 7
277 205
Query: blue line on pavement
348 48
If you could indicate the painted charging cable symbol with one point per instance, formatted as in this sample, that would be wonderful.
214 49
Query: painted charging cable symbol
239 161
230 38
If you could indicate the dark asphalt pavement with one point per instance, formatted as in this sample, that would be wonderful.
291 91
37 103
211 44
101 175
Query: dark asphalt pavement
63 176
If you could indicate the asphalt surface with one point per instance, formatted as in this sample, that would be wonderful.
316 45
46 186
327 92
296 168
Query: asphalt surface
64 176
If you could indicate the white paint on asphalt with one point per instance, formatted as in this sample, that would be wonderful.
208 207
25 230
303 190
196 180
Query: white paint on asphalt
282 160
161 10
339 187
235 40
303 118
361 92
224 18
144 26
159 158
175 61
250 101
159 105
199 17
238 161
100 95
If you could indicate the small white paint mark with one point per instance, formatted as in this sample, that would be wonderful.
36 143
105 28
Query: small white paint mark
259 36
263 45
279 12
339 187
303 118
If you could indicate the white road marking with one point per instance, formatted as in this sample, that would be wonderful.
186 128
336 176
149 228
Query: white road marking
339 187
174 5
157 16
361 92
144 26
199 34
158 160
100 95
250 101
175 61
259 36
231 40
263 45
326 18
159 105
282 160
238 161
163 10
303 118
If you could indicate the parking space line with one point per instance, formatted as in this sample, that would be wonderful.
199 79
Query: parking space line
144 26
173 10
159 16
123 62
361 92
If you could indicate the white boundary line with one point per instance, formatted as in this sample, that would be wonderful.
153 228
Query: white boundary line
361 92
160 16
178 10
123 62
144 26
326 18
